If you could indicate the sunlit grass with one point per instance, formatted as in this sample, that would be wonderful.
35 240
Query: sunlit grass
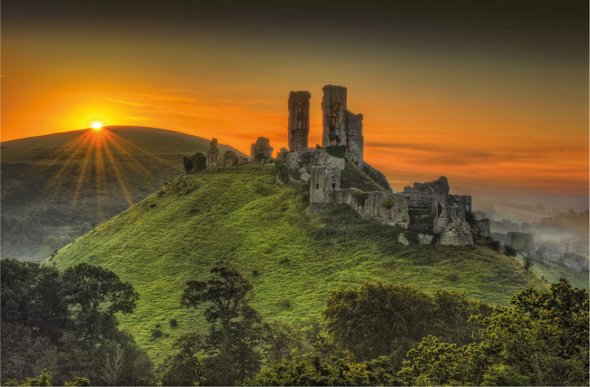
292 260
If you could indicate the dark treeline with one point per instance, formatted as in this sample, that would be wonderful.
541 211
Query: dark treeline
378 334
66 323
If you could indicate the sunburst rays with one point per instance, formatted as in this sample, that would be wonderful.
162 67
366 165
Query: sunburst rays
94 160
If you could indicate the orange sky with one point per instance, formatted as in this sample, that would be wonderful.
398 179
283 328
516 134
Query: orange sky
488 116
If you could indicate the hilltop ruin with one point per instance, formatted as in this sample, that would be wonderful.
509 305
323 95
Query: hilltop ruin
337 174
427 208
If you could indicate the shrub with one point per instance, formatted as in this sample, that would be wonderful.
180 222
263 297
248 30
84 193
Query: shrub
158 325
255 273
282 171
338 151
199 162
388 203
156 333
188 164
260 158
285 303
528 262
360 197
452 277
173 323
510 251
470 218
495 245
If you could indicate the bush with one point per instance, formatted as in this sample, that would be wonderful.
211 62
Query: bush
510 251
528 262
199 162
338 151
173 323
156 333
503 375
285 303
360 197
188 164
470 218
260 158
282 171
495 245
388 203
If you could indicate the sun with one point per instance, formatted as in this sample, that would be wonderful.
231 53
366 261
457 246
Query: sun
97 125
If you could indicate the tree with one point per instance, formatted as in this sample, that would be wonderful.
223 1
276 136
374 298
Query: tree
188 164
235 326
282 340
542 340
335 372
185 368
96 294
66 323
377 319
199 161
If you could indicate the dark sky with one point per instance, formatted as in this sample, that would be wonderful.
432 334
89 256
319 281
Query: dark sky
555 27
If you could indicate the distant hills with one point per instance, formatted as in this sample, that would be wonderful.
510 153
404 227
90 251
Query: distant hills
57 187
293 260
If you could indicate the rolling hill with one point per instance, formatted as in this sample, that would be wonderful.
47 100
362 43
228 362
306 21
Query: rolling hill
293 260
58 187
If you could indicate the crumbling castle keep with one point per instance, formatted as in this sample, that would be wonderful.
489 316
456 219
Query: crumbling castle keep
428 209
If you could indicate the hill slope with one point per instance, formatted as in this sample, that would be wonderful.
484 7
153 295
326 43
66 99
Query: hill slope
55 187
292 259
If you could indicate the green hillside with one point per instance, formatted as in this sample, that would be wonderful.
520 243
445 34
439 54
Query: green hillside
292 260
56 187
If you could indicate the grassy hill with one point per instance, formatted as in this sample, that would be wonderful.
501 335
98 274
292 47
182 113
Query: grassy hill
57 187
292 260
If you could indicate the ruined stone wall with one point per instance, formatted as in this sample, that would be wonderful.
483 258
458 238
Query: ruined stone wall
298 128
341 126
457 206
355 141
324 182
504 239
383 207
262 145
436 187
467 201
420 199
305 158
213 158
334 115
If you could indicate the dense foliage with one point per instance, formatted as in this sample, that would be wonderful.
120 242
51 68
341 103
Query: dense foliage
66 323
541 340
383 320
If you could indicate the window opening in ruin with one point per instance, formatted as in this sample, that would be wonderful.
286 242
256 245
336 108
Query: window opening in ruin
333 185
347 145
317 186
439 210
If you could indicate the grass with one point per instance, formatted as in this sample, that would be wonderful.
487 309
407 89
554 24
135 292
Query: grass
45 204
552 271
292 260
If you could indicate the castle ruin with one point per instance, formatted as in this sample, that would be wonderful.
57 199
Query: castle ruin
298 120
341 127
426 208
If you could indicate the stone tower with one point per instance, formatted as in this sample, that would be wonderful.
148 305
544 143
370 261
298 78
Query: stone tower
298 120
334 115
341 126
